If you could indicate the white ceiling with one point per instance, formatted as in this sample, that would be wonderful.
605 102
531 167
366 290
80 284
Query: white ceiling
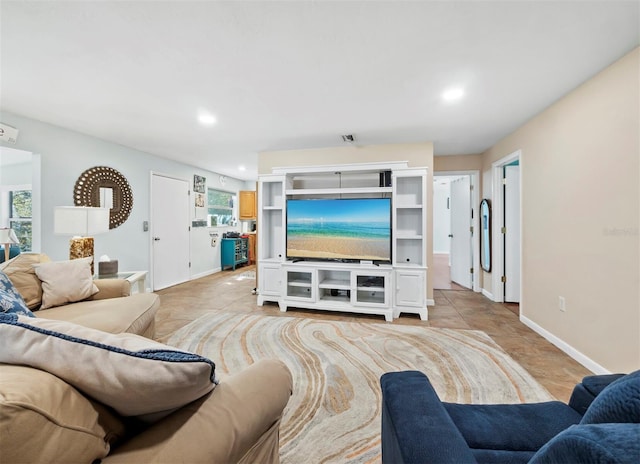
299 74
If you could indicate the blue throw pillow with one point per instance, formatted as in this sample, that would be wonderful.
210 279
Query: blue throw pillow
619 402
11 302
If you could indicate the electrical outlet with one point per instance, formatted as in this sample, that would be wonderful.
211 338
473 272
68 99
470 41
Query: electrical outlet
561 303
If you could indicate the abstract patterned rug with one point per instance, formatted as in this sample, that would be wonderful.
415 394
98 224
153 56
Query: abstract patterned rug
335 411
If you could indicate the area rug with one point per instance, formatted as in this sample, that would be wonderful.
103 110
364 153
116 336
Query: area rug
334 413
247 275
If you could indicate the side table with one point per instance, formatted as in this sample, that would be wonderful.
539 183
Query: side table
137 279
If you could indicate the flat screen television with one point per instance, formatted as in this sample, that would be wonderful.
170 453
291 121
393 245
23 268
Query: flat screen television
339 229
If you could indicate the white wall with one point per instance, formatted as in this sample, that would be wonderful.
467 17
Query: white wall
441 216
16 174
580 180
66 154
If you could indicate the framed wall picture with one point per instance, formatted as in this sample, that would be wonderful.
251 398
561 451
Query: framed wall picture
199 200
199 183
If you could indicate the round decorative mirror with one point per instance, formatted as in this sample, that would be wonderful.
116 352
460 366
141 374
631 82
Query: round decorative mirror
102 186
485 237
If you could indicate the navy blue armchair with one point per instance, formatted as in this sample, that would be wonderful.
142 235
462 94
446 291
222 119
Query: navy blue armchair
600 424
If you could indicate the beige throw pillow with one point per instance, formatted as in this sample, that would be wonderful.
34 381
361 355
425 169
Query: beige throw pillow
22 274
65 281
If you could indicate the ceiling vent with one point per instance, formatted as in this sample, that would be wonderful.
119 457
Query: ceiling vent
348 138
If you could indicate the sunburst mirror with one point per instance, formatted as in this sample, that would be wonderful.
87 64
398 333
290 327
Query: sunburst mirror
102 186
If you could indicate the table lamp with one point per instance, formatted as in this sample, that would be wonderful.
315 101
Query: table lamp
8 238
82 222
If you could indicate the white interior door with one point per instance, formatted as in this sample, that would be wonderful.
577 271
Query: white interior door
441 216
512 235
460 256
169 231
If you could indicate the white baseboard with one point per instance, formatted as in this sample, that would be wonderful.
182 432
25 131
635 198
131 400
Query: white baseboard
568 349
431 302
488 294
204 274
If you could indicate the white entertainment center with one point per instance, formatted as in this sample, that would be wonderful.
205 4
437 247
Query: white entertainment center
366 287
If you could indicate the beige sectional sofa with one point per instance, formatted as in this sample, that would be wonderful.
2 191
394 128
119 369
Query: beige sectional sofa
44 419
112 309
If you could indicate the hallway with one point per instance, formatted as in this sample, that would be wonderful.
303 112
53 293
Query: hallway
441 274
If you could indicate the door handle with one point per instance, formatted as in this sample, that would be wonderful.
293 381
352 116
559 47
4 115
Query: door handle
156 239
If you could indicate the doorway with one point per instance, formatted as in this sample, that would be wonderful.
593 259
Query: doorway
170 248
455 245
20 196
507 236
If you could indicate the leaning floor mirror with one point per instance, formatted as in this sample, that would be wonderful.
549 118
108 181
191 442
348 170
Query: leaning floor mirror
485 238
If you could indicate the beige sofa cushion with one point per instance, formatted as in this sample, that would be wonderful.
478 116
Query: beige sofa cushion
133 314
237 422
133 375
21 272
66 281
45 420
111 288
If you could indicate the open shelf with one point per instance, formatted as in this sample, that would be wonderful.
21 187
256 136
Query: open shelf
336 279
409 191
339 191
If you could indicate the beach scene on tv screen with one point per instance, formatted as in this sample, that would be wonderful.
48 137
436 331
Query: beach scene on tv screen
339 229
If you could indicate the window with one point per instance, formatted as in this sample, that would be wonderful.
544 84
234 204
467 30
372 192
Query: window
20 212
221 207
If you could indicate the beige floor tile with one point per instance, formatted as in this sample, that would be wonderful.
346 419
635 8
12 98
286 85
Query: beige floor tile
454 309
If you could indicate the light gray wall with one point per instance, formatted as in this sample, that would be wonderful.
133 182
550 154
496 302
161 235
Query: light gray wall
66 154
16 174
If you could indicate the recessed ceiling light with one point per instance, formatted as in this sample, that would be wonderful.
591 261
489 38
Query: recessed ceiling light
206 119
242 168
453 94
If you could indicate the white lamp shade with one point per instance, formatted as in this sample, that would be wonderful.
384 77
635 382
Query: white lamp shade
80 220
8 236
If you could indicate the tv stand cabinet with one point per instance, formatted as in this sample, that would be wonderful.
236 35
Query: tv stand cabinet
345 287
382 289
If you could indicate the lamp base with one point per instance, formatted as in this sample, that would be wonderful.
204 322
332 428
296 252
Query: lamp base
81 247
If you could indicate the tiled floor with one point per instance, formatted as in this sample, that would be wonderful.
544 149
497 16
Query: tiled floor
456 309
441 273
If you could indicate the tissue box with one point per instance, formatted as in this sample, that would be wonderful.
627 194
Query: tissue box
108 267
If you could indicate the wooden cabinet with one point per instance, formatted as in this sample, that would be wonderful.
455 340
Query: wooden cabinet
252 248
235 251
247 204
